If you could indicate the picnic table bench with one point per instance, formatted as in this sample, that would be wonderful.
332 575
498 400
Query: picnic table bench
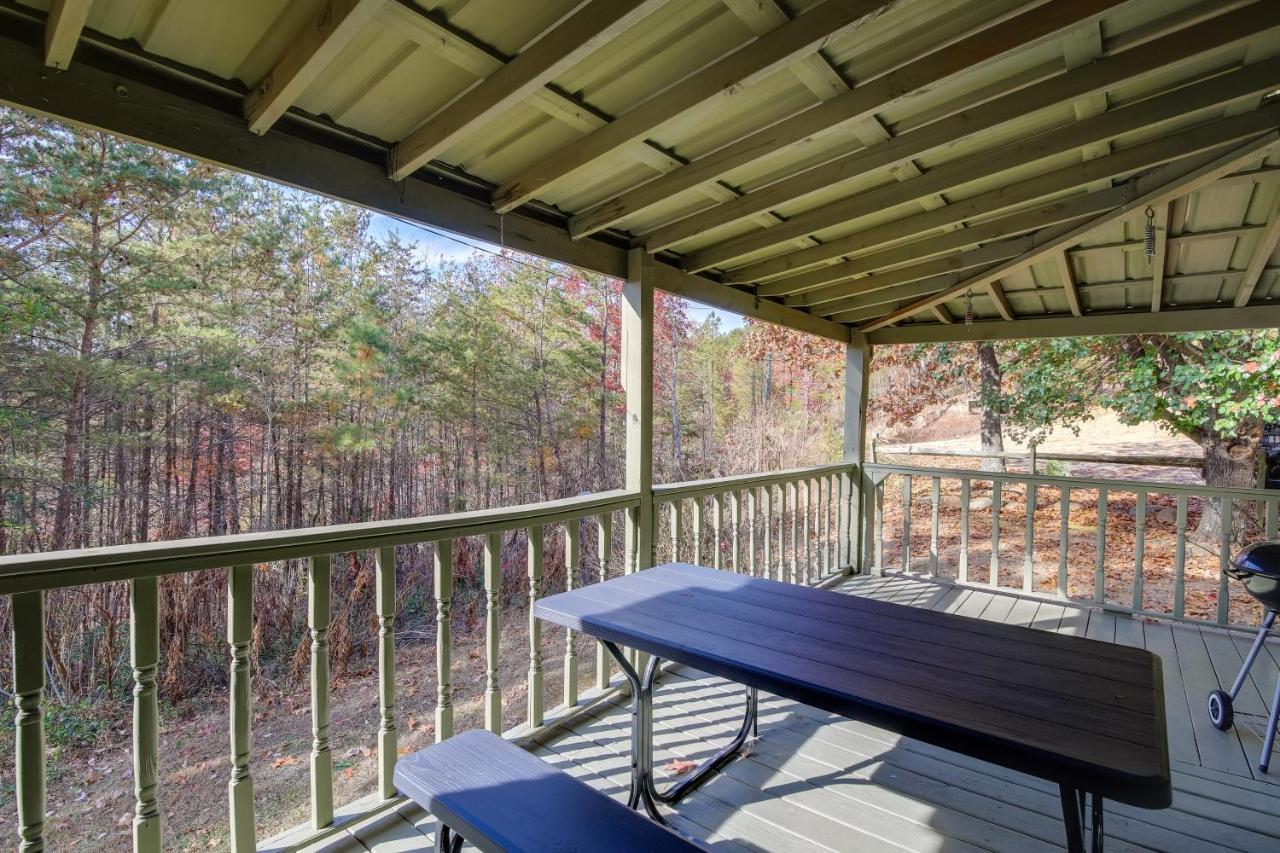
498 797
1084 714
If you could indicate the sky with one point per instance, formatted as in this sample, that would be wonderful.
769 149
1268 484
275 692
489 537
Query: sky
434 248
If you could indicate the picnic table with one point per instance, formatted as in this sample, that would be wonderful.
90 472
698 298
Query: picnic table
1084 714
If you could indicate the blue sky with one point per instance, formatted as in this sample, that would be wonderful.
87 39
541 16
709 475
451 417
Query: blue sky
433 249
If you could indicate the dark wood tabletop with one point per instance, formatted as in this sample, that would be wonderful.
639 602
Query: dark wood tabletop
1083 713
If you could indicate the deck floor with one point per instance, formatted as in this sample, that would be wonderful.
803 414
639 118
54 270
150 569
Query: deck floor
815 781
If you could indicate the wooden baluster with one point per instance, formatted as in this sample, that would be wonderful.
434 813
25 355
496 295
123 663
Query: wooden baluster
717 522
677 528
1225 508
795 531
782 532
879 544
819 553
751 531
832 523
443 572
1100 568
385 595
1139 547
28 700
848 527
1180 557
995 532
824 515
962 572
1064 538
144 657
936 497
321 755
1273 511
766 496
1029 544
906 522
572 557
493 632
606 551
697 530
804 533
239 636
735 506
535 627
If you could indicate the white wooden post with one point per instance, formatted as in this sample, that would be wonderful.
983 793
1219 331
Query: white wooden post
492 632
385 597
637 384
857 386
443 571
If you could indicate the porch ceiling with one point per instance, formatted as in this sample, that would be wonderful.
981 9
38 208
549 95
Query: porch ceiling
839 166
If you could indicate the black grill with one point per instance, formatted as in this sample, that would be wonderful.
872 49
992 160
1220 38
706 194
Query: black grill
1257 567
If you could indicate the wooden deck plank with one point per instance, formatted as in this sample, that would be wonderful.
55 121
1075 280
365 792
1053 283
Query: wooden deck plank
1219 750
1102 626
977 602
1183 746
1023 612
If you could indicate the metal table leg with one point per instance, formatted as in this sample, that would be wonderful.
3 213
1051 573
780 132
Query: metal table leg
1074 809
644 790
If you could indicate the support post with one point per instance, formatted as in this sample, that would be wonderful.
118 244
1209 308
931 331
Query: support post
492 632
28 700
239 639
443 571
321 754
144 654
385 597
857 387
637 384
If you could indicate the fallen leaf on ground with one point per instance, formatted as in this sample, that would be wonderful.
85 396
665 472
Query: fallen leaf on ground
285 761
679 767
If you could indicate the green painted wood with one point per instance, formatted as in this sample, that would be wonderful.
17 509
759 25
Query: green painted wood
878 566
493 633
442 573
318 615
1064 537
1100 548
735 541
385 610
698 530
962 570
935 499
1029 542
604 525
1273 511
1224 560
824 507
677 528
144 657
795 531
28 700
243 838
857 389
805 542
717 524
766 509
782 533
906 522
750 497
535 711
572 562
994 579
1180 557
1139 547
637 383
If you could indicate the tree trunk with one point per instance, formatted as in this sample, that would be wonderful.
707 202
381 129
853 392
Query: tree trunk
990 376
1230 463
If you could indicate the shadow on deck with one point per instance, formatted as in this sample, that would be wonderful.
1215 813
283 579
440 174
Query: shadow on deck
815 781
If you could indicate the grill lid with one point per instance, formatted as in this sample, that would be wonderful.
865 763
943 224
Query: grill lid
1260 558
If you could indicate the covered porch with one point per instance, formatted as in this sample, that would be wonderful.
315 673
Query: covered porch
873 173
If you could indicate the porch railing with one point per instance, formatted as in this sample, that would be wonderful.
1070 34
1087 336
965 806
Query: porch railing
813 507
1121 579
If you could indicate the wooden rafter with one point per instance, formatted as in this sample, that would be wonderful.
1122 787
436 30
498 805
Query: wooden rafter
62 30
1144 194
1159 260
1262 252
1161 150
856 104
1173 105
1082 82
1070 287
559 48
321 40
750 63
996 292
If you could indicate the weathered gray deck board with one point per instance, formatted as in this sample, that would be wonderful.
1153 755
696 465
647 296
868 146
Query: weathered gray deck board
815 781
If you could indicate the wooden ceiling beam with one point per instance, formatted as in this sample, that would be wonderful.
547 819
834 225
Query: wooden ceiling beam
561 47
1147 155
1262 252
1160 260
1177 104
858 103
1144 194
996 292
1082 82
62 30
310 52
1070 286
752 62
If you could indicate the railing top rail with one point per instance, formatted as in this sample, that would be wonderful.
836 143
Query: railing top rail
1149 486
696 488
26 572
